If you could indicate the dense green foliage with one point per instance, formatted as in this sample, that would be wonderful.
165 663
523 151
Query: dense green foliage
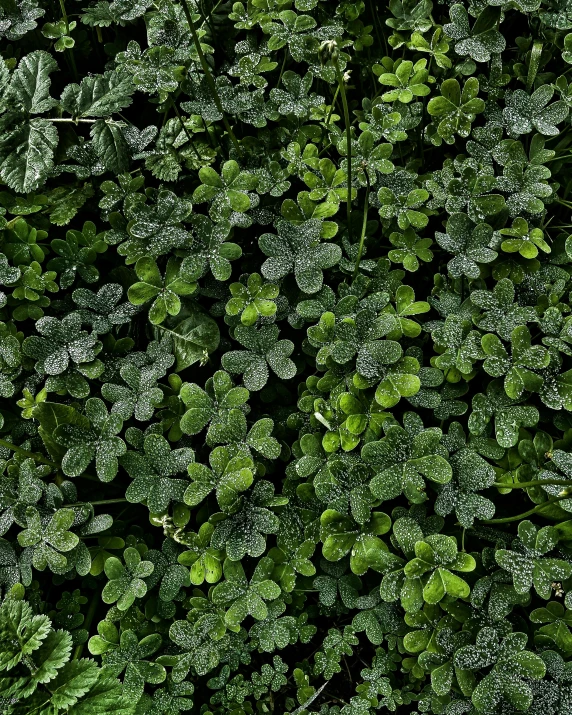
285 357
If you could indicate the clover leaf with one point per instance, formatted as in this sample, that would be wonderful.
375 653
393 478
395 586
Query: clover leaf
252 300
210 250
522 240
469 243
204 561
410 249
230 474
77 254
511 664
527 563
521 367
126 582
164 291
61 342
296 249
480 41
501 314
213 405
138 396
455 109
227 192
246 598
340 536
263 350
154 473
296 98
49 540
97 442
524 112
403 457
156 229
131 657
407 78
508 414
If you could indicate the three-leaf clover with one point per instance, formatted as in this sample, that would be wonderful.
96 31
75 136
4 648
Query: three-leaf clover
512 668
456 109
407 79
523 240
527 561
154 473
205 562
436 558
131 656
521 367
210 250
509 415
296 98
227 192
252 300
404 457
76 254
340 535
244 597
126 581
297 250
61 342
468 242
138 396
263 350
524 113
212 406
164 291
97 441
480 41
229 475
48 540
501 314
409 249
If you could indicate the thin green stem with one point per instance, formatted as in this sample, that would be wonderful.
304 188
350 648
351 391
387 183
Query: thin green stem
71 120
189 137
558 158
333 105
518 517
282 68
88 621
533 483
70 50
310 700
363 229
208 75
25 453
348 142
103 502
65 17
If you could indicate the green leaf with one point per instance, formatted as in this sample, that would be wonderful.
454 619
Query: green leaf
26 154
110 145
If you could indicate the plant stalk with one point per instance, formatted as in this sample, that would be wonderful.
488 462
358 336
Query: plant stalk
208 75
71 120
533 483
102 502
363 228
87 623
70 50
518 517
348 141
25 453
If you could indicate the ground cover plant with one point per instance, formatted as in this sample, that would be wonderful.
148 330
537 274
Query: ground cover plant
285 357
